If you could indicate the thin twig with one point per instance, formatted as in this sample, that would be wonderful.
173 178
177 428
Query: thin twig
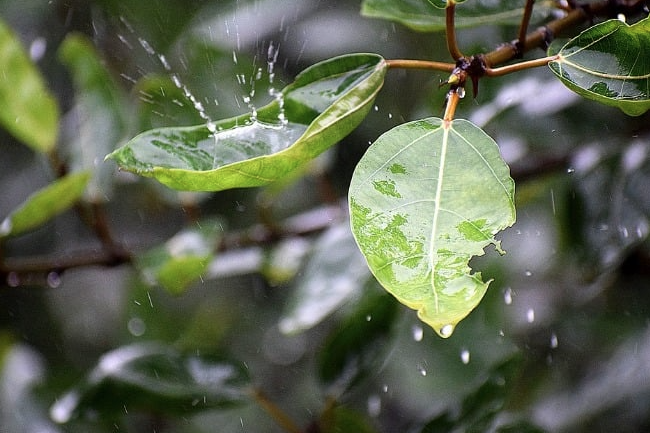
278 415
504 70
523 28
420 64
450 17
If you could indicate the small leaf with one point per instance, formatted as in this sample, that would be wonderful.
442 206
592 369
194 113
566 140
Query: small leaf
324 104
183 259
45 204
427 197
156 378
29 111
609 63
429 16
354 349
328 280
98 121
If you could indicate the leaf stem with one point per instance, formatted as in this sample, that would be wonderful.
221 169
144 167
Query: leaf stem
278 415
504 70
452 45
453 98
523 28
420 64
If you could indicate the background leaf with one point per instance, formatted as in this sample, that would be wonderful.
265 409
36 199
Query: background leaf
28 111
323 105
609 63
418 237
151 376
45 204
429 16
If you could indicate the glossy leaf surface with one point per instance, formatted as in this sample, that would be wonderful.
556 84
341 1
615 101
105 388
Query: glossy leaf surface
153 377
183 259
425 198
45 204
328 280
28 111
325 103
429 16
98 121
609 63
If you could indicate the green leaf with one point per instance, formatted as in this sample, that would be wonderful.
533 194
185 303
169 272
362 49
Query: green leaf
354 348
29 111
609 63
155 378
339 419
324 104
427 197
327 282
183 259
99 116
429 16
45 204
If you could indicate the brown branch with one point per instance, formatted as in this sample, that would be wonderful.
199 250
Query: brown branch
450 23
420 64
523 28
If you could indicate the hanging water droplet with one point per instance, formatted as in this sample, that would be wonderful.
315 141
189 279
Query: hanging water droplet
460 92
464 356
447 330
507 296
554 341
53 280
530 315
418 332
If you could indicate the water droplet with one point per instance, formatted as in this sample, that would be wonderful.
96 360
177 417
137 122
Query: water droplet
376 108
460 92
368 318
447 330
136 327
6 227
13 279
554 341
422 370
37 49
418 332
528 273
507 296
530 315
374 405
384 388
53 280
570 170
464 356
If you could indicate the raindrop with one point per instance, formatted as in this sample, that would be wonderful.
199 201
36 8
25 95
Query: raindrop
384 388
6 227
464 356
447 330
53 280
37 49
147 47
530 315
570 170
422 370
390 115
374 405
554 341
528 273
376 108
507 296
13 279
418 332
368 318
136 327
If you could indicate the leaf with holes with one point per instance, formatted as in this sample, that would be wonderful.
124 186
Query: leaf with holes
425 198
324 104
609 63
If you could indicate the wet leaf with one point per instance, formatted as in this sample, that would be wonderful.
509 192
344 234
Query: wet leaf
609 63
98 121
353 350
29 111
45 204
156 378
183 259
424 200
324 104
429 16
328 280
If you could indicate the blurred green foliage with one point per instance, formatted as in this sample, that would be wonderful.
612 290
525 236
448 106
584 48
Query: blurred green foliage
560 343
